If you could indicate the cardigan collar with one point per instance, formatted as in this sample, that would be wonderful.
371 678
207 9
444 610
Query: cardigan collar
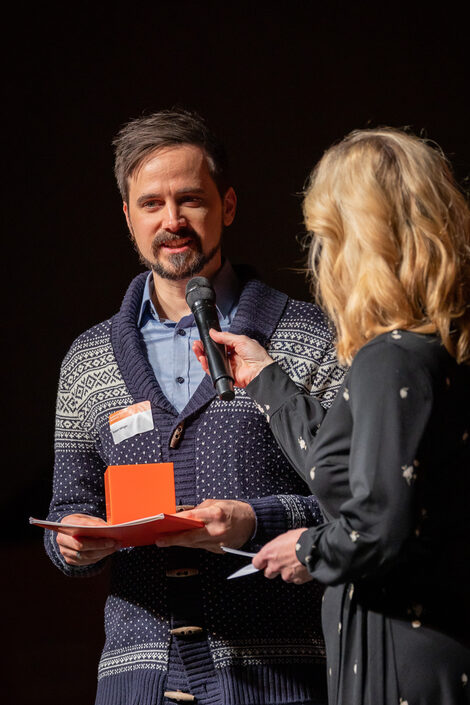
258 313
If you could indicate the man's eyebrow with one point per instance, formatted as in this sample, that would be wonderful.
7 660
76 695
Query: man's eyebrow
181 192
146 197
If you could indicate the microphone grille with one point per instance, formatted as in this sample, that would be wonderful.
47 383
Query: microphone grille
199 289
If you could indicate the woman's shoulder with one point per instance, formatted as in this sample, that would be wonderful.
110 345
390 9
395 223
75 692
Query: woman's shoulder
399 351
401 343
405 352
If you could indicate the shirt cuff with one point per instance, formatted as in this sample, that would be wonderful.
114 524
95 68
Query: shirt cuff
271 388
270 518
306 550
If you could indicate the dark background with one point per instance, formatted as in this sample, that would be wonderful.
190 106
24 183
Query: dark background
279 83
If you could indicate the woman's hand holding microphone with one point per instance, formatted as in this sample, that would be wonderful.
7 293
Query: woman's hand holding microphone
246 356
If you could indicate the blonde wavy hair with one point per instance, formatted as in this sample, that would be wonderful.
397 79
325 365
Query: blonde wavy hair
390 245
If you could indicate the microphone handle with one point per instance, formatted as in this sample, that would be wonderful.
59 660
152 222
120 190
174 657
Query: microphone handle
205 315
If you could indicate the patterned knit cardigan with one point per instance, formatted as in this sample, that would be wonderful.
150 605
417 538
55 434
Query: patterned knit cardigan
258 636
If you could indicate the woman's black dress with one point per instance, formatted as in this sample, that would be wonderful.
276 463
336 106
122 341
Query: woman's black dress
390 466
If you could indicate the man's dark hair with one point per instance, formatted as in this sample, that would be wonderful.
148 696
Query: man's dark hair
138 138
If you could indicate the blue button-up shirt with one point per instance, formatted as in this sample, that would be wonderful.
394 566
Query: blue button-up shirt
169 344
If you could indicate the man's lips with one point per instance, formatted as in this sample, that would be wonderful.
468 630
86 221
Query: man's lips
177 245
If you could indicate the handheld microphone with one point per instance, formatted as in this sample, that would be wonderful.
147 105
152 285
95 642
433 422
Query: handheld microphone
200 297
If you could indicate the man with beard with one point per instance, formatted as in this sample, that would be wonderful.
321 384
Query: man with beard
176 629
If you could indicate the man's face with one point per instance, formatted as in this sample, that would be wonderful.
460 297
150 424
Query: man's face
176 215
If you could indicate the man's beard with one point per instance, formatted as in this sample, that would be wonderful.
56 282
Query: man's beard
183 265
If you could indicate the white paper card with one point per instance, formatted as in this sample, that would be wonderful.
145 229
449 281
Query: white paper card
237 551
246 570
130 421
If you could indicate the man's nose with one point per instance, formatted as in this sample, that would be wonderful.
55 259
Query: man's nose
173 219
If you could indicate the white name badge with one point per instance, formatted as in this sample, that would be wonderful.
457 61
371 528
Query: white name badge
130 421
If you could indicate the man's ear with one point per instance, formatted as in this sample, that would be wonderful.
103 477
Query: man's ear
125 208
229 206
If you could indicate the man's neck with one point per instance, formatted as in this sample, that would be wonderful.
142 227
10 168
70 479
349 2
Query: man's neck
169 297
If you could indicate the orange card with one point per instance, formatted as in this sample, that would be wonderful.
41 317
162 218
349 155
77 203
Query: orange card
138 491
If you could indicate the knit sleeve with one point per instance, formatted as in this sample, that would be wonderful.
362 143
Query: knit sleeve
277 514
78 485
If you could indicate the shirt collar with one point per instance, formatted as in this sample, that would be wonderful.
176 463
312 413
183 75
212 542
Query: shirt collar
226 286
147 307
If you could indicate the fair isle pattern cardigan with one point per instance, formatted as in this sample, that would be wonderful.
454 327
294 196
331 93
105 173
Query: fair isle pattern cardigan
257 635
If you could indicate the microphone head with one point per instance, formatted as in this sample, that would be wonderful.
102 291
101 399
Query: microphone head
199 289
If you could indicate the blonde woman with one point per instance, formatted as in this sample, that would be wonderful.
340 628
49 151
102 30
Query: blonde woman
390 463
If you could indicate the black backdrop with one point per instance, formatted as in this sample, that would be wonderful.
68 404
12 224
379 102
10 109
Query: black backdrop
279 83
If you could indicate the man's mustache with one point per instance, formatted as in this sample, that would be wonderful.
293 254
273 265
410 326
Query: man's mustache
164 236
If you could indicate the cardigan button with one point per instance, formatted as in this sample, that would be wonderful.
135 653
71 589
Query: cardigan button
181 572
186 631
178 695
176 435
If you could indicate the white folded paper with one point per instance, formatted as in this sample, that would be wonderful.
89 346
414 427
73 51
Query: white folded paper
247 569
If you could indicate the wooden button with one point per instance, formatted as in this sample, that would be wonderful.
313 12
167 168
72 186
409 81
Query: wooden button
179 695
186 631
176 435
181 572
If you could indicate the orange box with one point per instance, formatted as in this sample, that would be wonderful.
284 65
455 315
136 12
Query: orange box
139 491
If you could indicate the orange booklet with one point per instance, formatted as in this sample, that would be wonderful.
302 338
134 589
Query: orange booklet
133 492
136 491
141 532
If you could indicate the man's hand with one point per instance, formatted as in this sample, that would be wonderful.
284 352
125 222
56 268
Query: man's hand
246 356
278 558
85 550
227 522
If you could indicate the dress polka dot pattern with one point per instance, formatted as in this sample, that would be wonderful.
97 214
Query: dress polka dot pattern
392 473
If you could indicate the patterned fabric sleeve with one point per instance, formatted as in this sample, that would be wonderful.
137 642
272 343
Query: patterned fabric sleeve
294 416
279 513
78 470
303 347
